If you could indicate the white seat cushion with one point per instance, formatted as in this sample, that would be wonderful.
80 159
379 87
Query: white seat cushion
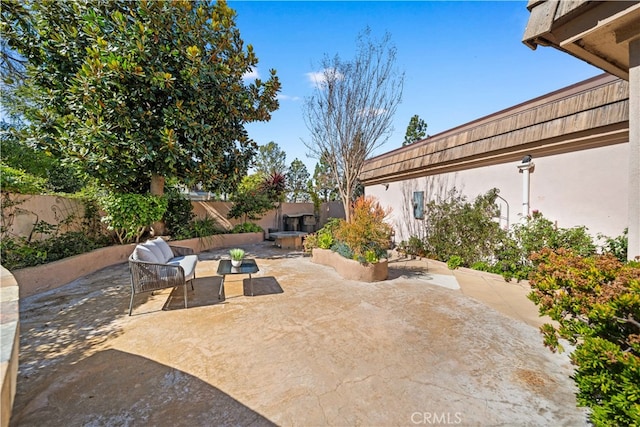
188 263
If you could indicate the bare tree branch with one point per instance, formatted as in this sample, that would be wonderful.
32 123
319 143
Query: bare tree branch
351 111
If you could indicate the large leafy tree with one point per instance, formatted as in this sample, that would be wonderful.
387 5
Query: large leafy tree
351 111
270 159
297 177
138 92
416 130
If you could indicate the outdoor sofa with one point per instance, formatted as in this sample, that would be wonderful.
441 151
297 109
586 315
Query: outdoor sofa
156 265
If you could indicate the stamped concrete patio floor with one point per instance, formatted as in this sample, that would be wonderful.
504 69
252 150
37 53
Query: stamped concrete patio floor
428 346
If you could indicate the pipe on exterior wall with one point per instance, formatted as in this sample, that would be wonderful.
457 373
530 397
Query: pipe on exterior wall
526 168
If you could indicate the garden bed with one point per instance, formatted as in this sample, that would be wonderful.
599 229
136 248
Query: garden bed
351 269
33 280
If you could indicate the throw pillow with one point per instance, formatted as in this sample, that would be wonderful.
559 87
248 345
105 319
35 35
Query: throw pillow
142 253
155 249
164 247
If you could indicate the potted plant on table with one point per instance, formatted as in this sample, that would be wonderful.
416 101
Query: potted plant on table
237 255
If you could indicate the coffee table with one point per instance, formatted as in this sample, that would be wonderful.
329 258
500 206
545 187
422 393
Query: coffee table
248 266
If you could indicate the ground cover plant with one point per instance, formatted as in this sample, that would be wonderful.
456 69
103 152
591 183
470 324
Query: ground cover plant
596 301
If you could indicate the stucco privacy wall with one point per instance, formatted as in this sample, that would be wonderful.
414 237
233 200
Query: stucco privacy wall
29 209
273 218
26 210
587 187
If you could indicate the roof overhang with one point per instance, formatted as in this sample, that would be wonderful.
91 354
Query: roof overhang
593 113
593 31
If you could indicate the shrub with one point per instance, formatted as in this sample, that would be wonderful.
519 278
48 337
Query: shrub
310 242
454 226
481 266
130 215
202 227
247 227
367 229
179 215
323 238
62 240
617 246
18 181
596 302
21 253
454 262
414 246
537 232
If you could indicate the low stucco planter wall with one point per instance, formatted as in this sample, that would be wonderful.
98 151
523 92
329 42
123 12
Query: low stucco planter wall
350 269
220 241
33 280
10 332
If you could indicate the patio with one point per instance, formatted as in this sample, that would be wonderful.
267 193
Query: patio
427 346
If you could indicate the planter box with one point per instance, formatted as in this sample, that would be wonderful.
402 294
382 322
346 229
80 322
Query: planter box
33 280
350 269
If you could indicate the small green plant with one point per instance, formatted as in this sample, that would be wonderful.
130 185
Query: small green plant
481 266
236 254
371 257
325 239
454 262
310 242
616 246
343 249
414 247
247 227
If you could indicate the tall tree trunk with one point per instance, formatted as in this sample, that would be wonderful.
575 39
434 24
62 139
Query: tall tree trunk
157 188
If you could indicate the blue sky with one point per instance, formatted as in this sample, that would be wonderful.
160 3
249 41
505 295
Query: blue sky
462 60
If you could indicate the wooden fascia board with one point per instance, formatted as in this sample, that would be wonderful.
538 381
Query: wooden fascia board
616 116
578 111
588 85
609 135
